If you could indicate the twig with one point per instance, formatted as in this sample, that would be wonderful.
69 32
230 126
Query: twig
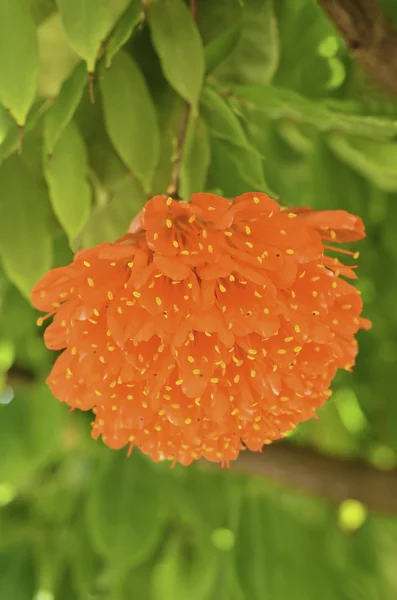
172 189
368 35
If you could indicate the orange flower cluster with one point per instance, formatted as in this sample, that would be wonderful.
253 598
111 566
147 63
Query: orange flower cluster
211 326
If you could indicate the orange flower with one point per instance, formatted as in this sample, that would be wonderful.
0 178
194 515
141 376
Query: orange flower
210 326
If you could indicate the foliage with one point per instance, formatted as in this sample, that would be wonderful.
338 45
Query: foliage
92 97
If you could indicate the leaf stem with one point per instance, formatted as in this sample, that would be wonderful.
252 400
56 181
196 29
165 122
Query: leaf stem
194 8
172 189
143 13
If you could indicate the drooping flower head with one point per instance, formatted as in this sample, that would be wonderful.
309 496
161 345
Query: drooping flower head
211 326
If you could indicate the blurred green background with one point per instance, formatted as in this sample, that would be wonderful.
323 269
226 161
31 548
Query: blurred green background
278 106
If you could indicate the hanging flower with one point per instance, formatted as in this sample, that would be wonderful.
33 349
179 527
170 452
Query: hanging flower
211 326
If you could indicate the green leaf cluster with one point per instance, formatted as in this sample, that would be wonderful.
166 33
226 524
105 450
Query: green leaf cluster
93 95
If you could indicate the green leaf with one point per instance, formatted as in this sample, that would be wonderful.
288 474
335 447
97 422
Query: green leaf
389 7
294 135
45 419
66 588
334 184
377 161
124 513
30 429
86 24
130 117
85 564
138 580
41 9
389 229
303 66
220 25
64 107
18 577
184 571
220 119
7 355
177 42
226 585
18 323
215 18
236 170
12 140
107 169
256 57
5 123
205 500
337 75
287 173
218 49
66 175
279 103
256 559
109 222
168 581
57 57
235 167
195 159
19 58
17 318
123 30
25 244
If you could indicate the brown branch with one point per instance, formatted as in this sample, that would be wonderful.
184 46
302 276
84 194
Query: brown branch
333 478
368 35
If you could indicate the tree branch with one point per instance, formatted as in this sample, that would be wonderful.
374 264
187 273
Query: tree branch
333 478
368 35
